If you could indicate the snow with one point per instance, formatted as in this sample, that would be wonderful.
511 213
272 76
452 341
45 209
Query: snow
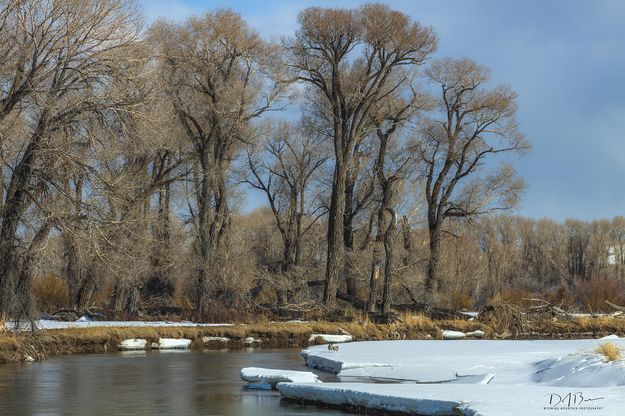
448 334
613 336
453 334
267 378
335 339
252 340
206 339
448 399
80 323
475 377
133 344
436 361
173 343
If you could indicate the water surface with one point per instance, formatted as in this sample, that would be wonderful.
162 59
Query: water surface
159 383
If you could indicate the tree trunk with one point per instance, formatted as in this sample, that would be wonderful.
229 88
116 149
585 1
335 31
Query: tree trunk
159 283
376 261
389 236
431 278
348 236
407 239
374 278
72 271
336 248
15 204
213 224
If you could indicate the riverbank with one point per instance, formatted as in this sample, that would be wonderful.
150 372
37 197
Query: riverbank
39 344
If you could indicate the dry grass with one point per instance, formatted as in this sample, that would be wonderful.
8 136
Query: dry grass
513 296
420 322
16 346
600 323
50 292
593 293
461 301
610 351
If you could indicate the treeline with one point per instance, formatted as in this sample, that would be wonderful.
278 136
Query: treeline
127 151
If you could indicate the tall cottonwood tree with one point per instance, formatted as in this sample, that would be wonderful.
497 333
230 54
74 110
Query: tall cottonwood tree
473 123
60 62
220 76
352 58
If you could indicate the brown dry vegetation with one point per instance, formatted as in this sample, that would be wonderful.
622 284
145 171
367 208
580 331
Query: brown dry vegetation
610 351
41 344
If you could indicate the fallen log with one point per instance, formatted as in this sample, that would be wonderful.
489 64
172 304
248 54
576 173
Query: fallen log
544 305
615 307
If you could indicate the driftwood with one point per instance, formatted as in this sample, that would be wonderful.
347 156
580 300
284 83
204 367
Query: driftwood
544 306
615 307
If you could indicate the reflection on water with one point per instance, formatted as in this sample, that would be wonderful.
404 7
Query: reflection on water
160 383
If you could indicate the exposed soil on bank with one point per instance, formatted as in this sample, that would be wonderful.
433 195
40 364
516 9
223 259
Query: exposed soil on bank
37 345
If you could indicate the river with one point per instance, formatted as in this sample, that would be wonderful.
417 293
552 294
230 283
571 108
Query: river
158 383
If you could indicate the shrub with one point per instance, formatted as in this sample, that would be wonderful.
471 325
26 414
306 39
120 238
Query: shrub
561 295
50 292
593 293
513 296
461 301
610 351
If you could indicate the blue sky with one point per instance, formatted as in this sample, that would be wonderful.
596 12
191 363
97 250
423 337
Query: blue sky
565 58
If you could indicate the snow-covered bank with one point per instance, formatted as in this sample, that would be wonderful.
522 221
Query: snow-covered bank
47 324
512 362
472 377
267 378
450 399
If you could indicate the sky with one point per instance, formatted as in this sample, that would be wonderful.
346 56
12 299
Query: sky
565 59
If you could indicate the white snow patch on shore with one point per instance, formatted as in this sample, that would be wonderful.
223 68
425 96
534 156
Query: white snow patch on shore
335 339
48 324
449 334
173 343
267 378
207 339
132 344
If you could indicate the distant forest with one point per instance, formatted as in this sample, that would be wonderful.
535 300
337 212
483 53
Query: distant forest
127 151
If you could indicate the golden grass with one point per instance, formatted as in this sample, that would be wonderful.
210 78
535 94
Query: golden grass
610 351
418 321
16 346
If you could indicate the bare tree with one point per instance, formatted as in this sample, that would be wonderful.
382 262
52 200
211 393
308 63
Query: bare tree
283 169
394 161
352 59
475 124
62 59
220 76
